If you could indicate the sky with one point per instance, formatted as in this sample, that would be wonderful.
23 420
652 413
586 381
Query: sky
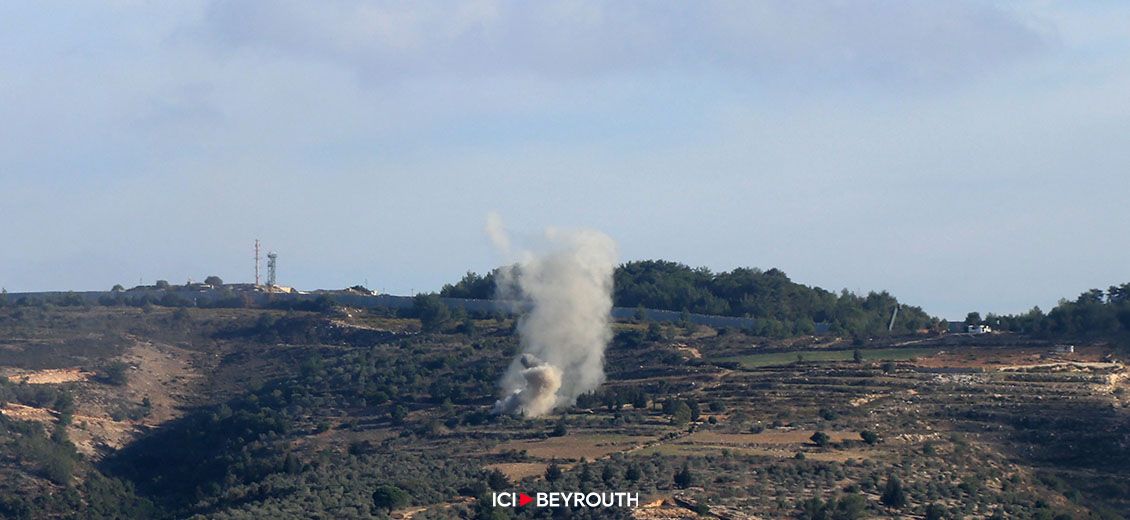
963 155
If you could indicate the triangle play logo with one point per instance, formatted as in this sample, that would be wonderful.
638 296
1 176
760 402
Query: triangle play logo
524 499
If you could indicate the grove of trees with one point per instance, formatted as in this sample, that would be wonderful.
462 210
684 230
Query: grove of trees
780 306
1095 313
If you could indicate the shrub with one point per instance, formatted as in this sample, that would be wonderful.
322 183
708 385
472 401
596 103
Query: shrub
390 497
820 439
116 373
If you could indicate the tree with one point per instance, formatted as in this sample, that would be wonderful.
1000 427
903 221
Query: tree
433 313
893 494
684 478
472 286
608 474
681 414
935 512
633 474
387 498
291 465
869 436
214 280
468 327
117 288
497 480
857 356
850 507
553 472
821 439
561 429
398 414
973 318
814 509
586 472
162 284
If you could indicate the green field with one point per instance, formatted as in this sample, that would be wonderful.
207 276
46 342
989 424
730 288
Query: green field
784 358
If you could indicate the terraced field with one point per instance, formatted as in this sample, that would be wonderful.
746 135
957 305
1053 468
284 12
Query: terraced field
784 358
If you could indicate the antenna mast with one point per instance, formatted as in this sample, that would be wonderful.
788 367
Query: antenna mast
256 261
271 258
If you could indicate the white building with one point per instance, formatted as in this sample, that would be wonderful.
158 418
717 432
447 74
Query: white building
978 329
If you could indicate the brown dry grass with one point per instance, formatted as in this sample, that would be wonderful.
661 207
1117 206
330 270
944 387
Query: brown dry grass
519 470
50 376
767 437
996 357
27 413
575 446
698 450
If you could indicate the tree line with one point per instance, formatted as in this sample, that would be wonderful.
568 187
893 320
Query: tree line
779 306
1095 313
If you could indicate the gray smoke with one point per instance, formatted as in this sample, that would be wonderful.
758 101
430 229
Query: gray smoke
566 292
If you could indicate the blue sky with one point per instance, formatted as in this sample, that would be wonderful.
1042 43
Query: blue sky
962 155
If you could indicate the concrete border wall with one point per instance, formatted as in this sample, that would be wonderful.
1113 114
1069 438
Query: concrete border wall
383 301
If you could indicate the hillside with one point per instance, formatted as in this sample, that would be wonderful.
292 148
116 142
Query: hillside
250 413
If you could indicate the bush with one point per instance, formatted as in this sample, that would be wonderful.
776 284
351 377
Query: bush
116 373
820 439
388 498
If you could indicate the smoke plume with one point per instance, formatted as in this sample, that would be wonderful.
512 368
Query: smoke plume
566 293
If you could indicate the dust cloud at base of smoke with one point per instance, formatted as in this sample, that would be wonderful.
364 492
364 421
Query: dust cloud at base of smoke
565 289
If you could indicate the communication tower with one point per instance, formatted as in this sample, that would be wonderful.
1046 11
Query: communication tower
272 257
256 261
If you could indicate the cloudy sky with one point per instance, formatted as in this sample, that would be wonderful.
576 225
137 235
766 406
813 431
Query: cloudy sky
963 155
